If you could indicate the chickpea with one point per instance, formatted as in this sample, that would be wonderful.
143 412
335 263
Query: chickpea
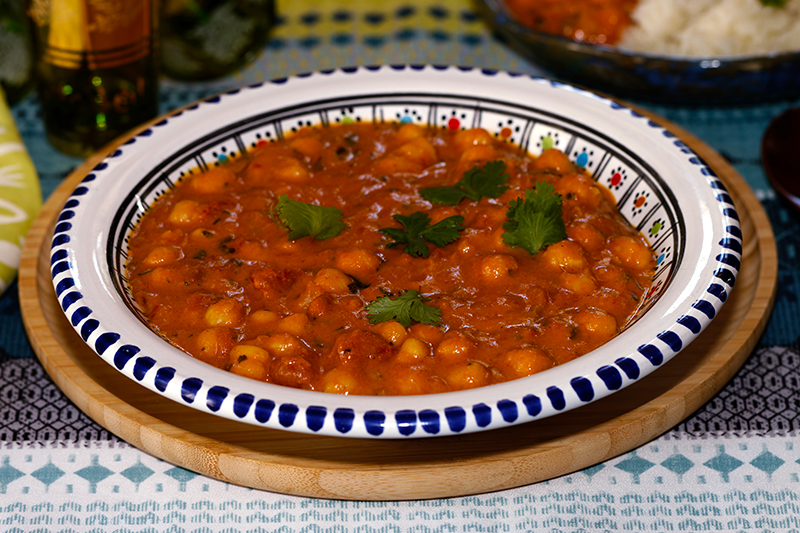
250 368
581 284
321 306
466 246
243 352
174 237
419 150
339 381
455 347
212 181
252 251
226 313
214 345
567 255
587 236
478 153
426 333
468 376
555 159
408 132
395 164
497 267
393 331
163 277
162 255
291 371
290 169
262 318
597 324
407 381
632 253
201 236
525 362
357 262
295 324
472 137
412 350
185 212
580 189
282 344
310 147
333 281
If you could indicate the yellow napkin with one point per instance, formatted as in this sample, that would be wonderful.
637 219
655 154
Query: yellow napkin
20 195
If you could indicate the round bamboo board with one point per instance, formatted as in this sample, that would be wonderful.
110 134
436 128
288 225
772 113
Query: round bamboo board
344 468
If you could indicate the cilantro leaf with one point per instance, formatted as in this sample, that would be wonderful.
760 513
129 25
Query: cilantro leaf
407 308
307 220
477 183
417 231
535 222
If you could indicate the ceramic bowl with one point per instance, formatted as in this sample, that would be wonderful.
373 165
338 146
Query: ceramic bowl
661 186
651 77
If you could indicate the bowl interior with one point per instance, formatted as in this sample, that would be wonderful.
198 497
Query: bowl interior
644 198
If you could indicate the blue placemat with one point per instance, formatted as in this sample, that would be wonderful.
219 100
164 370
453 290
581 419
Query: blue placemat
763 398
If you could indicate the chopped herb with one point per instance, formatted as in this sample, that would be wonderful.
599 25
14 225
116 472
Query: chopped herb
535 222
307 220
417 231
775 3
477 183
407 308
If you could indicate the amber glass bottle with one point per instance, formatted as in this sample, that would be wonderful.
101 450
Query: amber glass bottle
96 68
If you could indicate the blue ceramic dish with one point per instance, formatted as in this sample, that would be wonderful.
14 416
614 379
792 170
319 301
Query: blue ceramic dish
650 77
661 187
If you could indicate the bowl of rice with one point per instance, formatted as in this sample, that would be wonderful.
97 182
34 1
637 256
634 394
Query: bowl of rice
690 52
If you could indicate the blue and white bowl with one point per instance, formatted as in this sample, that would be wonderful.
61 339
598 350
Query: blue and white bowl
661 186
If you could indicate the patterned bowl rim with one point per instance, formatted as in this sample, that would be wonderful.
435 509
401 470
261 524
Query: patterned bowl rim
661 186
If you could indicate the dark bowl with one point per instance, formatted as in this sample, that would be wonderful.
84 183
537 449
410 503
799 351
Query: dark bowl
650 77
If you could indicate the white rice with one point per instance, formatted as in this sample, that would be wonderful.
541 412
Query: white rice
712 28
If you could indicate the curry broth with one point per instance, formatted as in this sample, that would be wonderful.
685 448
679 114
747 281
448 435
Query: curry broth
215 273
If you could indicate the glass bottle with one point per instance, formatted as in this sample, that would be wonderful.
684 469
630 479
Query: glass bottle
96 68
205 39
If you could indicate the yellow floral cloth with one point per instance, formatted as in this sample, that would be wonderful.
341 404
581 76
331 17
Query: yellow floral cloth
20 196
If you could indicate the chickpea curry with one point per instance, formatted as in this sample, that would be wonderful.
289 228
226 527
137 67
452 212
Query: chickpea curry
591 21
388 259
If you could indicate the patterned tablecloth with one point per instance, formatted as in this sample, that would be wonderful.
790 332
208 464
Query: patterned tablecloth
733 465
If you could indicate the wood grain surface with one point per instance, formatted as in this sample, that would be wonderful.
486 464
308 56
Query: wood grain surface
346 468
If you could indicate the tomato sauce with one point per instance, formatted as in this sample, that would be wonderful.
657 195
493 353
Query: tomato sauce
214 272
591 21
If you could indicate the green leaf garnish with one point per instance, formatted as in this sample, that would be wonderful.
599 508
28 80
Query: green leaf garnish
535 222
307 220
417 231
477 183
407 308
774 3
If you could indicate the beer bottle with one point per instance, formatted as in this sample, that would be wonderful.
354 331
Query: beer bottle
96 69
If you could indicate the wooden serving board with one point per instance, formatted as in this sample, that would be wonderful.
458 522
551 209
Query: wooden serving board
346 468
